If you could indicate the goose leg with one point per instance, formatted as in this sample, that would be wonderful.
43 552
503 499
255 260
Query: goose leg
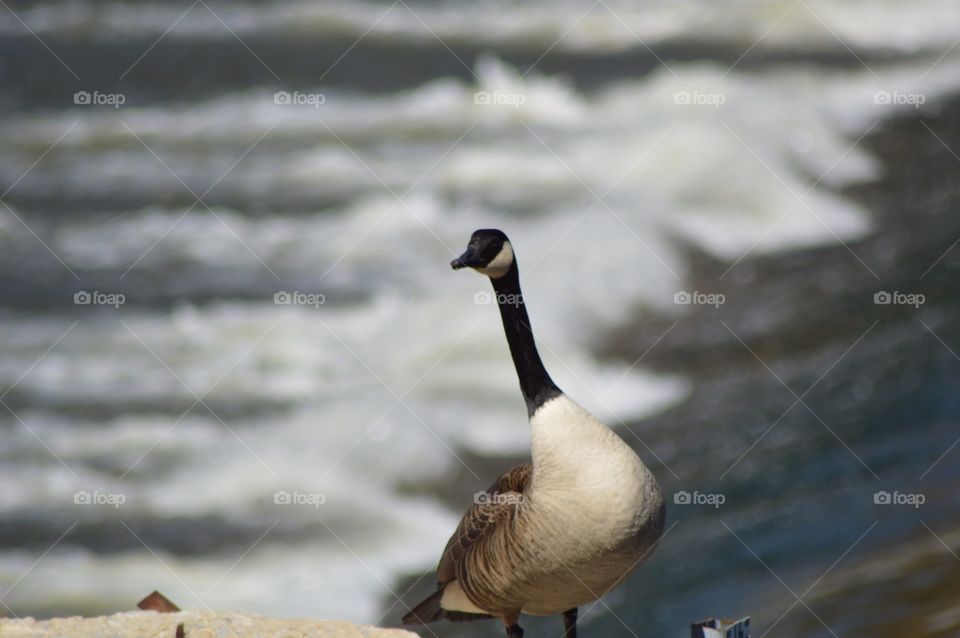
570 623
513 629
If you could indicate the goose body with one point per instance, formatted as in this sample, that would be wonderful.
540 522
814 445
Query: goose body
561 531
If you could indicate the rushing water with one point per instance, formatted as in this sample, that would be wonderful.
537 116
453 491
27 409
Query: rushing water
630 150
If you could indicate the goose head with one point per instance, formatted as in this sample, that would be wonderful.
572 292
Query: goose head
489 253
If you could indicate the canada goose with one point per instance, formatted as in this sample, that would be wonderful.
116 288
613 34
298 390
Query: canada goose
554 534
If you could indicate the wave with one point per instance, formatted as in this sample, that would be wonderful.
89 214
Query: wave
535 26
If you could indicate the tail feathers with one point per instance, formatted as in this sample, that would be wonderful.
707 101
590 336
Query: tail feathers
430 611
464 616
427 611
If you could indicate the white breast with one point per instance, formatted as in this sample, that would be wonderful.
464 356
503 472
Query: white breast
586 478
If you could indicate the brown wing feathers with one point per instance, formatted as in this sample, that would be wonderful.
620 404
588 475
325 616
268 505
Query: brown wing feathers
476 527
480 518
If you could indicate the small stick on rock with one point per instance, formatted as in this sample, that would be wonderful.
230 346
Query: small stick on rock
158 602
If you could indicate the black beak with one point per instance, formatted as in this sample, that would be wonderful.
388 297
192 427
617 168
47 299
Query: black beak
468 259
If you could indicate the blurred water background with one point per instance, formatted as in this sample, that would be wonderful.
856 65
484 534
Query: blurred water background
795 158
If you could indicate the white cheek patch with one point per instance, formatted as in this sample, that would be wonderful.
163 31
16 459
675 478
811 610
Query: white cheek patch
500 264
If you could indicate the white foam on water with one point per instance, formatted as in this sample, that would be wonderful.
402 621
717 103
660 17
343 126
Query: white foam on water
310 580
752 160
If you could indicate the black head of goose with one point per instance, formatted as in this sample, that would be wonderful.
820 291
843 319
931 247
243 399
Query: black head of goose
561 531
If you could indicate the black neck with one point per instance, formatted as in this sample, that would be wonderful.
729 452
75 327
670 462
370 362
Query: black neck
535 384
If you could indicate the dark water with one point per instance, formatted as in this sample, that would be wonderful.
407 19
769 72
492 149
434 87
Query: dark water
879 409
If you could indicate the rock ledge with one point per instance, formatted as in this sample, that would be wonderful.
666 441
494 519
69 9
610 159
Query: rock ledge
196 624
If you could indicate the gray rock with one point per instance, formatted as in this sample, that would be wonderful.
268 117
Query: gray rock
196 624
